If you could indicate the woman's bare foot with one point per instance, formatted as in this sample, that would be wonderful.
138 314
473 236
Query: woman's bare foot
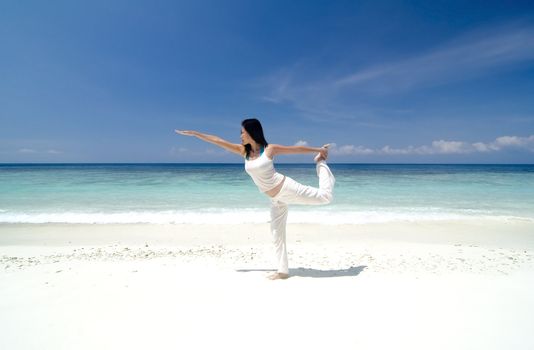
278 276
323 154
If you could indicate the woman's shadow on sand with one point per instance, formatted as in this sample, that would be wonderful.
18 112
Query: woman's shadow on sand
315 273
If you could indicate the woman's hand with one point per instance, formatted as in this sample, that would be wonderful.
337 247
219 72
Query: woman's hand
186 132
324 151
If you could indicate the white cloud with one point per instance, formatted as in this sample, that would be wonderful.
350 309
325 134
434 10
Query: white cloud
437 147
395 151
450 147
442 147
301 143
515 141
351 150
503 142
482 147
510 141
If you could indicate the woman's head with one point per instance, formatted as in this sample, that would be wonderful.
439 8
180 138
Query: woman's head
252 132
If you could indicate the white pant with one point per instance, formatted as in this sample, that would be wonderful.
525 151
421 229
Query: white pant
293 192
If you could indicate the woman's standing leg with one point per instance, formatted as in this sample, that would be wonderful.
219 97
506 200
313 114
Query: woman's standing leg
278 230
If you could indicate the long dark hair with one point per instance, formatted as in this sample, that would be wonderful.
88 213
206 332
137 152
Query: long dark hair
254 129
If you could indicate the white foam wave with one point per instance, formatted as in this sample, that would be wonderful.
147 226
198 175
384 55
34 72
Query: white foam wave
164 217
248 216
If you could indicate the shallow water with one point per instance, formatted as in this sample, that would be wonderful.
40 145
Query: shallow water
224 193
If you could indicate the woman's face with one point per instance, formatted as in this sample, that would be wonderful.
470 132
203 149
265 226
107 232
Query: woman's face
245 137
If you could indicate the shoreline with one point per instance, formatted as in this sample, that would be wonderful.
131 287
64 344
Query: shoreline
510 234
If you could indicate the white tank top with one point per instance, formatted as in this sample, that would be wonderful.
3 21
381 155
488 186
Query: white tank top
262 172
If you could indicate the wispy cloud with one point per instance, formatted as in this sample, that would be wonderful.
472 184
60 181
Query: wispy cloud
328 95
26 150
34 151
174 151
466 57
439 147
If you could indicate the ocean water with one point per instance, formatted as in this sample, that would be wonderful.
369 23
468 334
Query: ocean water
224 193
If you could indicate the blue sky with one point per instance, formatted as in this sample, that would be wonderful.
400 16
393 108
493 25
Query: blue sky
385 81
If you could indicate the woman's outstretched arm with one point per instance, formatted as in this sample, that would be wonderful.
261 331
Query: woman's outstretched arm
274 150
216 140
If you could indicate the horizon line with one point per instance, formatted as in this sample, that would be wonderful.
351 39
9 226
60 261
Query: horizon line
240 163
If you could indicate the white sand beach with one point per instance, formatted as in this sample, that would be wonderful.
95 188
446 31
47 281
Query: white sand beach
435 285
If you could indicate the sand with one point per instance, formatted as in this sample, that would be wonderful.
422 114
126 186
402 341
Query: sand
439 285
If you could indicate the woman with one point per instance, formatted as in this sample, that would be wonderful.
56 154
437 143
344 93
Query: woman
281 189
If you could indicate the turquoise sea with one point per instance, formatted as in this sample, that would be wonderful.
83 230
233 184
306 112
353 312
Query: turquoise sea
224 193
